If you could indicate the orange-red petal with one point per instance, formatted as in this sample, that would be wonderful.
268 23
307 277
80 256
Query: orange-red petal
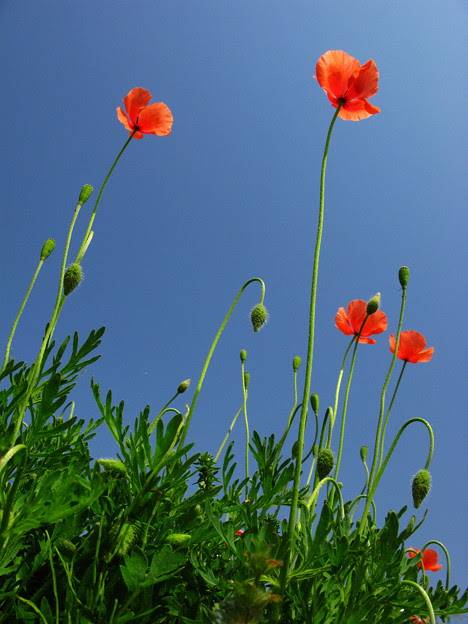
350 322
412 347
156 119
334 70
430 558
356 110
366 83
124 119
135 101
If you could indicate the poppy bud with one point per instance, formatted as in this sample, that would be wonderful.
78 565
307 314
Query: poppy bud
420 487
315 402
73 276
113 466
258 316
363 453
183 386
403 276
178 539
325 462
126 535
243 355
294 449
246 380
47 248
85 194
296 363
67 548
373 304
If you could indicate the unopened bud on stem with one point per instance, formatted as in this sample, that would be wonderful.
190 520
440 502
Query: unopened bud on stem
183 386
258 316
73 276
325 462
85 194
243 355
47 248
296 363
403 276
373 304
420 487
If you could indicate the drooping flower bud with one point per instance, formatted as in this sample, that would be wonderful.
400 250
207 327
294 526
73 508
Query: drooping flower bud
85 194
258 316
315 402
403 276
420 487
246 380
243 356
73 276
296 363
325 462
373 304
47 248
113 466
363 453
183 386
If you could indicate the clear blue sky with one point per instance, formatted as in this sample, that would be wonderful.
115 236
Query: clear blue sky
232 193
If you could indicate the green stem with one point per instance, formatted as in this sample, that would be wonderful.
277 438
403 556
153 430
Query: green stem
246 421
227 434
313 498
20 312
310 354
387 416
337 391
211 351
447 556
427 600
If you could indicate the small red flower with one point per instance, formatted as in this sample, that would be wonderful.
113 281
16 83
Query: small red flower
350 323
145 119
346 81
239 532
429 559
415 619
412 347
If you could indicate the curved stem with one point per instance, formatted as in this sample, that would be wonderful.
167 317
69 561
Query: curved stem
337 390
227 434
427 600
211 351
447 556
355 501
387 415
310 354
313 498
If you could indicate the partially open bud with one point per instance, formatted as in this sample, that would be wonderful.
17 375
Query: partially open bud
363 453
243 356
113 466
420 487
315 402
296 363
258 316
403 276
246 380
47 248
325 462
373 304
73 276
183 386
85 194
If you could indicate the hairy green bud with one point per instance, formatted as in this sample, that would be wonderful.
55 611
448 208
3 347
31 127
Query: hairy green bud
125 537
47 248
183 386
113 466
420 487
72 278
373 304
315 402
85 194
178 539
403 276
67 549
258 316
243 356
363 453
296 363
325 462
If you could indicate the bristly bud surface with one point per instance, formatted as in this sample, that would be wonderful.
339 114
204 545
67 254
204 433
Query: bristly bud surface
420 487
85 194
72 278
243 356
47 248
325 462
373 304
258 316
296 363
183 386
315 402
113 466
403 276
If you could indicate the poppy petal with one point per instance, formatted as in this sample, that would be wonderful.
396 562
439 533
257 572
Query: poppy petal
357 313
430 558
156 119
342 322
422 356
357 109
365 84
135 100
375 324
334 70
122 117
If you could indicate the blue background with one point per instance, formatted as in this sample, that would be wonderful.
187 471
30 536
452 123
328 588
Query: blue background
232 193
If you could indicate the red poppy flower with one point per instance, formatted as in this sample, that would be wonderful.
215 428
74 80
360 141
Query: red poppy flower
412 347
350 323
429 559
415 619
145 119
345 80
239 532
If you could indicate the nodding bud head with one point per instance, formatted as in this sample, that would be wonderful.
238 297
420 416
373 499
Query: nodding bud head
183 386
73 276
315 402
243 355
113 466
178 539
363 453
296 363
85 194
258 316
325 462
373 304
420 487
403 276
47 248
246 380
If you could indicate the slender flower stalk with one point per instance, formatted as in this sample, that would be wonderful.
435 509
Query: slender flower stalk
310 354
447 556
229 431
387 415
211 351
337 390
245 379
427 600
